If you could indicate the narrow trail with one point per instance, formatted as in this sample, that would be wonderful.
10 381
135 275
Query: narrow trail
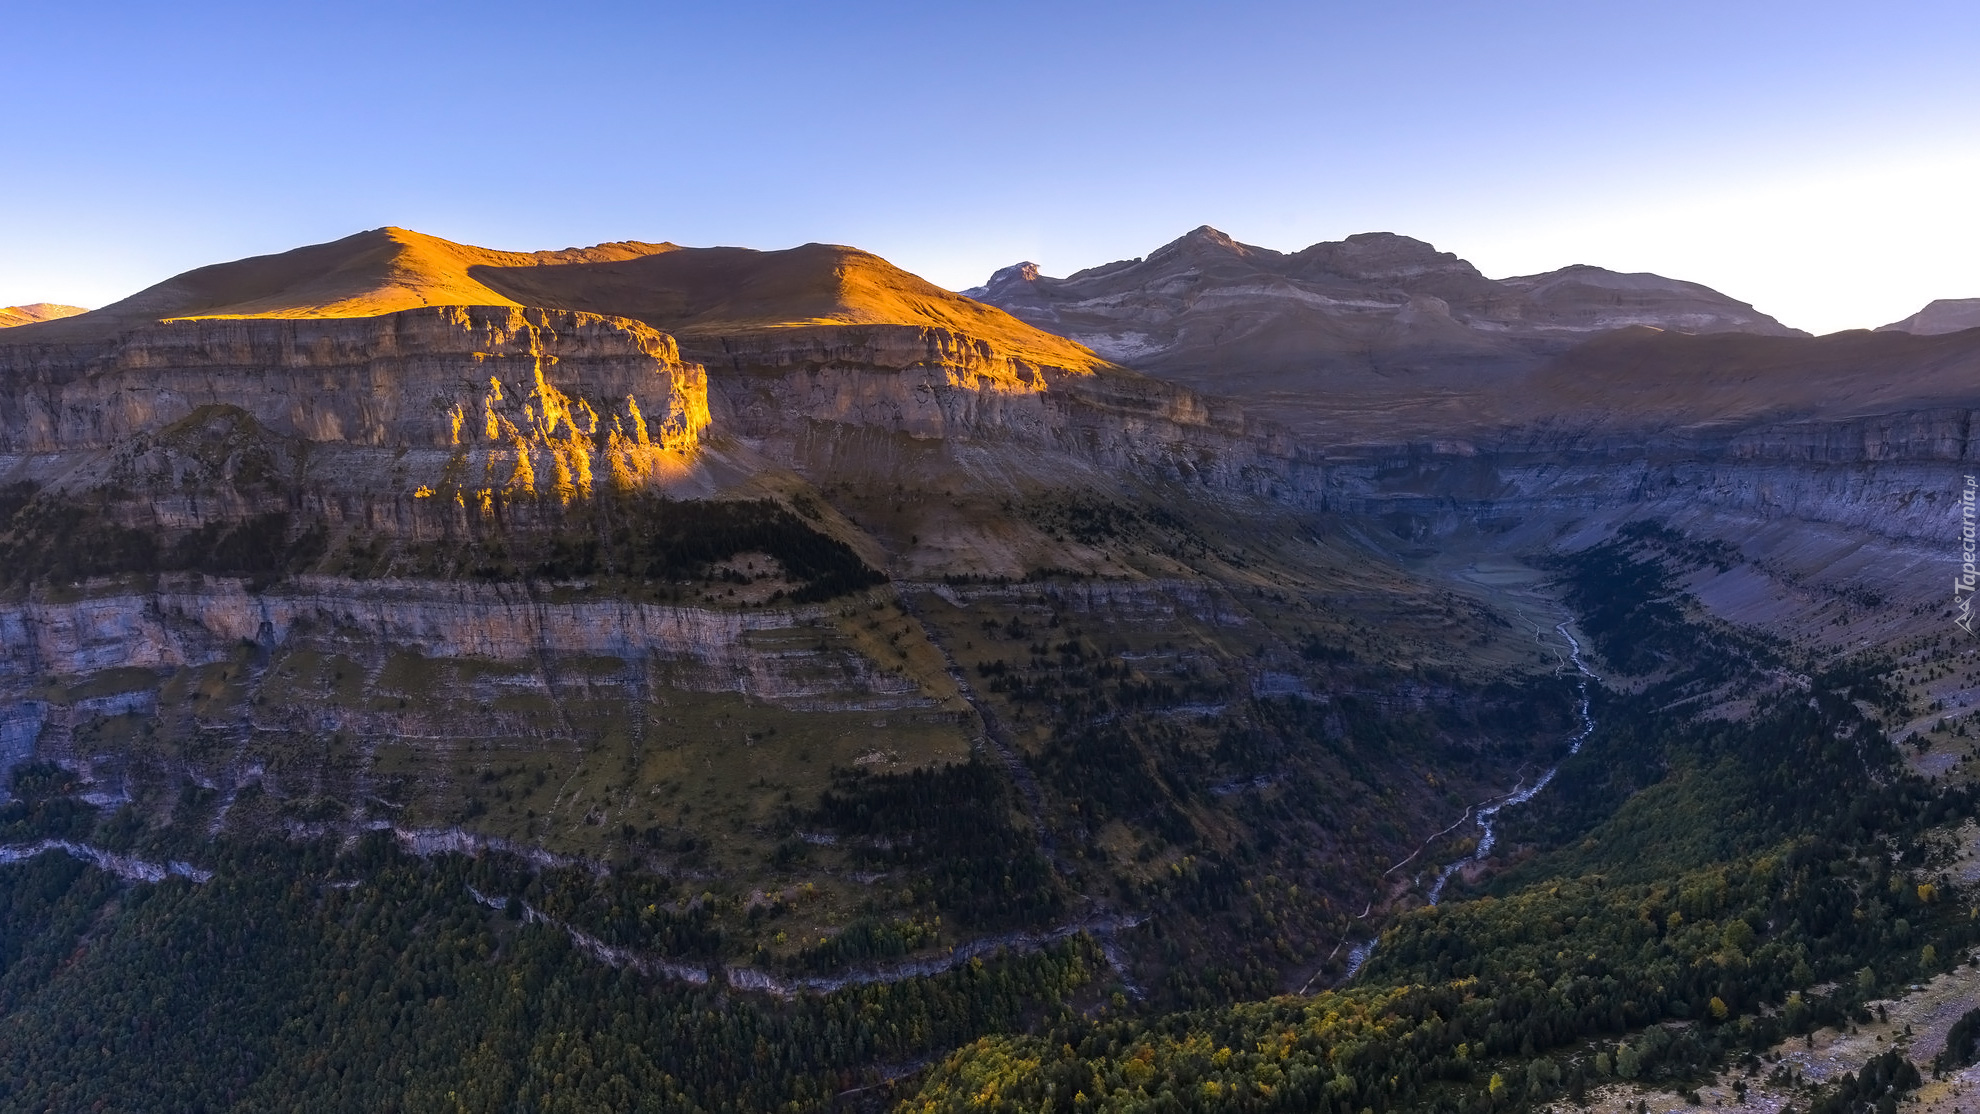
999 740
608 954
1101 928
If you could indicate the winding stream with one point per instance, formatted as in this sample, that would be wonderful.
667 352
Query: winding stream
1358 953
1488 835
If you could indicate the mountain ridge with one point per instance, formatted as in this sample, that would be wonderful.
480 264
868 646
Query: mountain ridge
662 285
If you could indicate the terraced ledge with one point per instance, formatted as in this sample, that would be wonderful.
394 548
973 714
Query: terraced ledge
762 982
123 866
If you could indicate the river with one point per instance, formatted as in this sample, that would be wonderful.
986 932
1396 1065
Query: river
1488 814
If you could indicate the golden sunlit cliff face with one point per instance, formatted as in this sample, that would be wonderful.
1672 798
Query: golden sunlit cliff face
473 400
530 437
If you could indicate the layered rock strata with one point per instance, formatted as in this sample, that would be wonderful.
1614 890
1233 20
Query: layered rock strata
534 401
770 654
926 405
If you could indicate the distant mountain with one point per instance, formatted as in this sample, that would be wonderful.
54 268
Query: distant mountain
11 316
1295 330
1946 315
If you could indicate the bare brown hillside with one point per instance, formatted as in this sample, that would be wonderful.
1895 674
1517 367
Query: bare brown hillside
11 316
689 291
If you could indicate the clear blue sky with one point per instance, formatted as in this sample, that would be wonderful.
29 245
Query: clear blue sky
1821 160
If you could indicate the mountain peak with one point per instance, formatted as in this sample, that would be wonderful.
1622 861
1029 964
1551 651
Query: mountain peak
1382 256
1391 240
1017 275
1301 332
1205 242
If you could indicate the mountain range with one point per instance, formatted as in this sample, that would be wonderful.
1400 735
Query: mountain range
1375 314
1382 337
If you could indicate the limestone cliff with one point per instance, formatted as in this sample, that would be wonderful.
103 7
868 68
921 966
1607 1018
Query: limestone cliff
860 402
527 399
816 348
187 622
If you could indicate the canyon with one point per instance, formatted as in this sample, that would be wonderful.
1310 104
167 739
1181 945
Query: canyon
1171 606
1443 419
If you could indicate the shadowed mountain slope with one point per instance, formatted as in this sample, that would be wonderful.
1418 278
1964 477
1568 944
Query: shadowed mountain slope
1648 378
1646 381
1373 322
1945 315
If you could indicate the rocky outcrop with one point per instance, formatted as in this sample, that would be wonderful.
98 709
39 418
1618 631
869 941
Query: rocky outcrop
919 381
